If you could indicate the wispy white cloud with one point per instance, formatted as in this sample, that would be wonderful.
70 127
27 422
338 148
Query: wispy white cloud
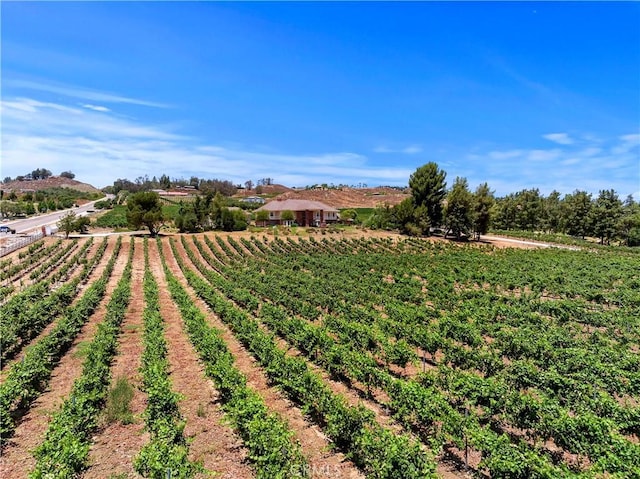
77 92
627 143
592 164
591 151
560 138
100 146
408 150
543 155
505 155
95 107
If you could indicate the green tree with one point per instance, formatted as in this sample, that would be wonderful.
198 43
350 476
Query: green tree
287 216
380 218
67 223
40 174
605 215
529 210
144 209
402 216
459 209
428 188
165 182
409 218
349 215
553 217
262 216
482 206
577 208
82 224
29 209
186 221
240 222
629 223
217 209
68 174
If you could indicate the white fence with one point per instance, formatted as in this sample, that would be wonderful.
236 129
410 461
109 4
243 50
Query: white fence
17 242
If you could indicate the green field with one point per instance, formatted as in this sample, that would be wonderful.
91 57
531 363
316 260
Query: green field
515 349
363 213
117 216
408 355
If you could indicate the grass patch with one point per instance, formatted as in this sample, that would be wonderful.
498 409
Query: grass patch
82 350
118 407
113 218
170 211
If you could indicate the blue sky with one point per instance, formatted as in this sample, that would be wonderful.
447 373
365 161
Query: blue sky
521 95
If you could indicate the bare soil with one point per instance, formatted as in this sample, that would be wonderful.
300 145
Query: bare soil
350 197
213 443
51 182
115 444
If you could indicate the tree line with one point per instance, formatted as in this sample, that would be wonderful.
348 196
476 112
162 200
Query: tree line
38 174
462 213
144 183
51 199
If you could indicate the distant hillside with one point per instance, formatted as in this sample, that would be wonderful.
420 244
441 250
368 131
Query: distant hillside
350 197
264 190
51 182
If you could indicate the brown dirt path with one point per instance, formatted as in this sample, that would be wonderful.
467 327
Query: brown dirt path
115 445
16 460
212 442
316 446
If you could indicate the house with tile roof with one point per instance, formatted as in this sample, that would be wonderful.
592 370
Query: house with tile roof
306 212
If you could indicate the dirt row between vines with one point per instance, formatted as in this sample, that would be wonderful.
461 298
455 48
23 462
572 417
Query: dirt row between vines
212 442
315 445
115 445
17 460
354 393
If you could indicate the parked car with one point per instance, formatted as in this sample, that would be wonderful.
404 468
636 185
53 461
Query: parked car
6 229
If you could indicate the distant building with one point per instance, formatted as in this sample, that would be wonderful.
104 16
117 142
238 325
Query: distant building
306 212
255 200
175 193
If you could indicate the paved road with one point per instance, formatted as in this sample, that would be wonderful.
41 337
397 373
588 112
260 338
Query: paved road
36 222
